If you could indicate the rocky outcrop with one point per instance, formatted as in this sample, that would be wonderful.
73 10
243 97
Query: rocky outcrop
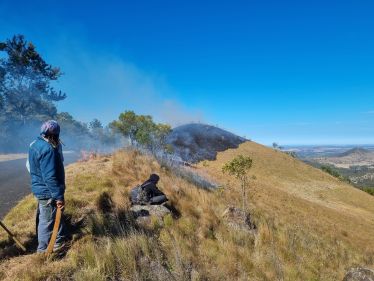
146 214
155 268
238 219
359 274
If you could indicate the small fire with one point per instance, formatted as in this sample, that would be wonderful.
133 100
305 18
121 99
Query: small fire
87 155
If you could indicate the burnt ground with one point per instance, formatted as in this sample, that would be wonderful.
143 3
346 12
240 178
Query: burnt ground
196 142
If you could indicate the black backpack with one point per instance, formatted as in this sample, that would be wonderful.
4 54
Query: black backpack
139 195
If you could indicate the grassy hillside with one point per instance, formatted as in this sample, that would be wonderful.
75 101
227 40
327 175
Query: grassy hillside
317 223
310 225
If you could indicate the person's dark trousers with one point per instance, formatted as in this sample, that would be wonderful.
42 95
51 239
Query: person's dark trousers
45 222
158 200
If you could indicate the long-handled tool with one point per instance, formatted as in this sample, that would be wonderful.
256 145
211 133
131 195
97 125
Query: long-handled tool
56 226
14 238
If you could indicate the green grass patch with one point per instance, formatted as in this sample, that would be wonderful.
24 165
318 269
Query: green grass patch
369 190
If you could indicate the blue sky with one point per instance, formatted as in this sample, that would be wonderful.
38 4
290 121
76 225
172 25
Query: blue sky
294 72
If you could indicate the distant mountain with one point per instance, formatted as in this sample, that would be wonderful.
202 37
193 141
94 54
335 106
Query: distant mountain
350 160
356 151
197 142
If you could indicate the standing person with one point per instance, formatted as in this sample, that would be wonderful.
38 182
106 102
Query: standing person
45 164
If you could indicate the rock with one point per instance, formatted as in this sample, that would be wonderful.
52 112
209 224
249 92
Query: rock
146 214
154 269
359 274
195 276
238 219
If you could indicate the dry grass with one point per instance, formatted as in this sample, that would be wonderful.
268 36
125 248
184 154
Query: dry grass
316 225
310 226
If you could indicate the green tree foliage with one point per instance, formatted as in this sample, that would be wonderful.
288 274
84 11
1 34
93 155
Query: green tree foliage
369 190
103 135
26 93
142 130
26 79
95 124
79 135
239 168
27 98
331 171
74 134
70 125
159 137
127 124
97 130
291 153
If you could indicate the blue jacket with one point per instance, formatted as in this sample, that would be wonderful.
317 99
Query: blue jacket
47 170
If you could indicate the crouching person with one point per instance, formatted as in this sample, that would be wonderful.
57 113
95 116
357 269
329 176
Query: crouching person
45 164
148 193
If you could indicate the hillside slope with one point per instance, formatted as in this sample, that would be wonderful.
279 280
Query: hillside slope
310 226
299 197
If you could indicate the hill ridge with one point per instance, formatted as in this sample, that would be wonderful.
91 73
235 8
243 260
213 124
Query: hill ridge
355 151
195 142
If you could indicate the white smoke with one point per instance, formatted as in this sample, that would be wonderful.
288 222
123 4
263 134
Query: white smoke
101 85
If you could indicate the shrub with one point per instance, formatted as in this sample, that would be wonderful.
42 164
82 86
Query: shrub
334 173
239 167
369 190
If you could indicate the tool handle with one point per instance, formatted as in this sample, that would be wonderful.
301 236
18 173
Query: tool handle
11 235
56 226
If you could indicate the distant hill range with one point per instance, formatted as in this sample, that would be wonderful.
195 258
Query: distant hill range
356 151
196 142
356 156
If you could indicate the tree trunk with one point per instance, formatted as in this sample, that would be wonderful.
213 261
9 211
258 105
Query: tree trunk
244 194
